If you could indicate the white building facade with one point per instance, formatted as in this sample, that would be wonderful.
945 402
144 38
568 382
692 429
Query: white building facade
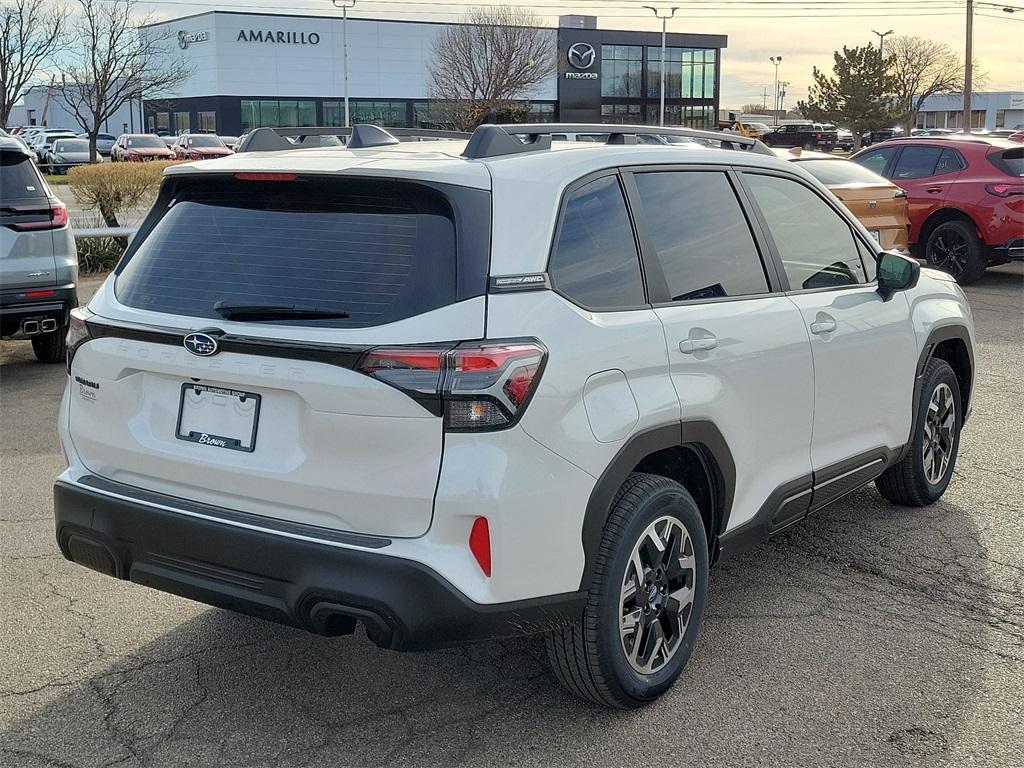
1002 109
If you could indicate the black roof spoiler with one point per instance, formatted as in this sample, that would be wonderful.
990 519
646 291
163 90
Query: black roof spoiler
511 139
358 136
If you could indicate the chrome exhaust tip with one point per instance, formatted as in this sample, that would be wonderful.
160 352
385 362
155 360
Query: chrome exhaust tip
30 327
48 326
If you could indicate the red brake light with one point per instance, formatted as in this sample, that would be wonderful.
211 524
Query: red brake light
1004 190
479 385
57 217
39 294
247 176
58 214
480 544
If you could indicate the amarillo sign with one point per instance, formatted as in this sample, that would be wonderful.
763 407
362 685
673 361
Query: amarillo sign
279 37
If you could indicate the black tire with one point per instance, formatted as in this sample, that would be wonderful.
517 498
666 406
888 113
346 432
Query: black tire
908 482
49 347
954 247
809 145
589 657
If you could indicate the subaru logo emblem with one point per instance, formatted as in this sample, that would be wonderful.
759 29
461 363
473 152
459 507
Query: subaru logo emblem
201 344
582 55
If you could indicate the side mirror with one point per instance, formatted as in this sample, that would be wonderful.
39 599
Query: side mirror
896 273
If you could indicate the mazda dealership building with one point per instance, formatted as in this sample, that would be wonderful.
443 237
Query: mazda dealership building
256 69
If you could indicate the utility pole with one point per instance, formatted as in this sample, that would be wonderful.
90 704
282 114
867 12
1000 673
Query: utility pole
881 41
782 95
664 64
344 5
968 67
776 60
764 100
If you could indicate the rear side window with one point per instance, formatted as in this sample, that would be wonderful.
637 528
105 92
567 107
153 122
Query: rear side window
917 162
949 162
1010 161
595 262
700 234
380 251
816 245
19 179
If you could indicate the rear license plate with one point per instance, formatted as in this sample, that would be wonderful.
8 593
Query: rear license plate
876 234
223 418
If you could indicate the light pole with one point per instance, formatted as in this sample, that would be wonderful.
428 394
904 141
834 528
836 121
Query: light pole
344 5
776 60
881 40
664 64
782 95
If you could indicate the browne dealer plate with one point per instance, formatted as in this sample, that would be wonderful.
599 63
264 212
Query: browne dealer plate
223 418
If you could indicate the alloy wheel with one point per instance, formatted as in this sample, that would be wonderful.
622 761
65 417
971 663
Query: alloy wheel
657 594
950 252
939 433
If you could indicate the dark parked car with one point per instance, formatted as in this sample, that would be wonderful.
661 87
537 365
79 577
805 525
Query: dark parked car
38 261
806 135
966 197
135 147
882 134
66 153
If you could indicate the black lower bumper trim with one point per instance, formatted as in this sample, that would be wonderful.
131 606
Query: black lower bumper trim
315 586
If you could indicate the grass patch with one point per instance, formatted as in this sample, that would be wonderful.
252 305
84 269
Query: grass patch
55 179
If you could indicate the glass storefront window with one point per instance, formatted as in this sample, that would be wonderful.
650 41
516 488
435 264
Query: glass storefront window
274 113
182 123
688 117
689 74
621 70
541 112
207 122
163 121
620 114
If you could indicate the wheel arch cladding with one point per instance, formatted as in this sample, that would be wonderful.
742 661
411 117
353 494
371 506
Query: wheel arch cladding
693 453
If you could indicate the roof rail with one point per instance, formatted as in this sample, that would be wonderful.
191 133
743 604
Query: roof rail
513 138
358 136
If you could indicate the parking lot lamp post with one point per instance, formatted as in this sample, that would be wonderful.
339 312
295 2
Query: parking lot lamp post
344 5
664 64
881 41
776 60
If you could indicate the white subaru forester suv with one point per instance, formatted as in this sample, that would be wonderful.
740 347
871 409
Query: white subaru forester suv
458 390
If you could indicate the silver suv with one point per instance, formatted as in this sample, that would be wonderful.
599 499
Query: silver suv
38 261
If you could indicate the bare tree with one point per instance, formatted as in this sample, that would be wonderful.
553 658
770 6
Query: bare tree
753 108
481 68
112 59
923 68
32 32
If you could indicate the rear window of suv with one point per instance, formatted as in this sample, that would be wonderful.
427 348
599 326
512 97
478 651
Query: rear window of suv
18 178
379 251
1010 161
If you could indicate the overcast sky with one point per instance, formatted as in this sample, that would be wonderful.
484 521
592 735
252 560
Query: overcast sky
804 32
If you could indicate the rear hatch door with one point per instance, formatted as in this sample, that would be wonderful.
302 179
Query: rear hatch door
26 238
276 419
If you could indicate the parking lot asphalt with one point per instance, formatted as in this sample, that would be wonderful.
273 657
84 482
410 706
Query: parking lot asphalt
869 635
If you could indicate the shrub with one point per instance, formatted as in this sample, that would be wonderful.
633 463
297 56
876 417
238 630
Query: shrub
112 189
98 254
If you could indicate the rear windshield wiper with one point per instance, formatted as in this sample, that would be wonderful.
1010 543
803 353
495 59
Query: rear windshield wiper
275 312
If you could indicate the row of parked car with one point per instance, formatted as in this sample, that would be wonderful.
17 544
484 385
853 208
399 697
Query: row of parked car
58 149
826 138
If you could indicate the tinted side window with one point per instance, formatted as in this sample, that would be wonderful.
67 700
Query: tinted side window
817 246
917 162
595 262
949 162
700 234
877 159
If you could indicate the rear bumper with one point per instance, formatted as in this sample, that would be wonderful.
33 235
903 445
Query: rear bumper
16 307
1011 250
323 586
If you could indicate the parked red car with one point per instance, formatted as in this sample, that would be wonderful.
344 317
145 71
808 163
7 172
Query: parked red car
966 197
191 146
135 147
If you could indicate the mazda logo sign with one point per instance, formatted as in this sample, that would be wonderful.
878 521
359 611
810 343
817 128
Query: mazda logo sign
202 344
185 38
582 55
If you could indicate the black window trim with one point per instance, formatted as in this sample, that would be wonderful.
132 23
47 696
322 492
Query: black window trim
851 222
563 202
657 289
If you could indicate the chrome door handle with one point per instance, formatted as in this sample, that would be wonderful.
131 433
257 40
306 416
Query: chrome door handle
823 324
689 346
933 190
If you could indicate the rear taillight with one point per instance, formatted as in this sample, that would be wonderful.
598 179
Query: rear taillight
78 332
477 386
1005 190
53 217
480 544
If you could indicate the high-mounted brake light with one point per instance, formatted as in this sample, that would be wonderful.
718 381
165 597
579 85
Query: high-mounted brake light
250 176
480 386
